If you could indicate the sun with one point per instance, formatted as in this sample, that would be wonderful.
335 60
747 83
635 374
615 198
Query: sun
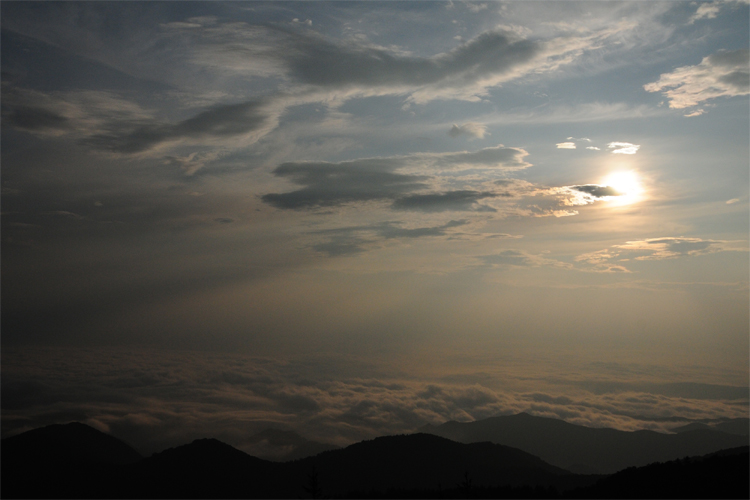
626 182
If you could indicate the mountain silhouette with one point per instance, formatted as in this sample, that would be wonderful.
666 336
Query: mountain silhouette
77 461
73 442
585 449
284 446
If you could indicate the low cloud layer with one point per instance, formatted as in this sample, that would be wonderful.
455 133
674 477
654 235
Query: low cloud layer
158 399
723 74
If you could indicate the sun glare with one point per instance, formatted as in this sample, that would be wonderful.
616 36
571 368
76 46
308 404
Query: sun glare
626 182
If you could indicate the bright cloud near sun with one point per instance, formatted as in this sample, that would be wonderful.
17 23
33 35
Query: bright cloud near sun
628 183
624 148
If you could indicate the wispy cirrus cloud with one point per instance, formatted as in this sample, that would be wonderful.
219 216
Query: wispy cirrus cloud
356 239
521 258
659 249
106 122
668 248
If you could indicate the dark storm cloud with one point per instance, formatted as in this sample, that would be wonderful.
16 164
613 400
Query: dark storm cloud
332 184
463 200
35 119
315 60
597 191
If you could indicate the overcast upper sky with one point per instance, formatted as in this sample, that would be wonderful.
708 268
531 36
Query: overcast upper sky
354 218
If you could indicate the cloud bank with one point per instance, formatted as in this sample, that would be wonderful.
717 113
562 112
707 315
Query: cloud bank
326 184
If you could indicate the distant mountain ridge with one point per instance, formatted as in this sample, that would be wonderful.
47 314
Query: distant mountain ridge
586 449
739 426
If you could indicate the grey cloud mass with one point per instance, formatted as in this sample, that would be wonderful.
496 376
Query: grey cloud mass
331 184
439 202
368 179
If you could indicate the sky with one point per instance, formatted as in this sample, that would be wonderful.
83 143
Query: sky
352 219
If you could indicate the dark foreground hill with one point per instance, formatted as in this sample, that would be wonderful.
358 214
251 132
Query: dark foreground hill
60 460
585 449
718 475
207 468
407 466
423 461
